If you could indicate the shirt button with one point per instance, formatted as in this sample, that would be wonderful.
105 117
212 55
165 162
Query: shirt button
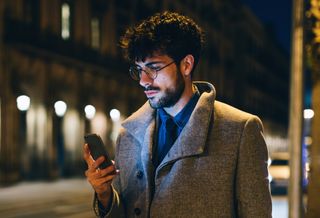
139 174
137 211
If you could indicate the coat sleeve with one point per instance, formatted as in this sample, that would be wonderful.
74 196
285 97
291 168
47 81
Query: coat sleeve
252 183
115 208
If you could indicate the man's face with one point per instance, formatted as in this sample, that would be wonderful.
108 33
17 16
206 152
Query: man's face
166 89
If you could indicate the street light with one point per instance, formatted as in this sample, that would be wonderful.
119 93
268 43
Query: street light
60 108
90 111
115 115
23 102
308 113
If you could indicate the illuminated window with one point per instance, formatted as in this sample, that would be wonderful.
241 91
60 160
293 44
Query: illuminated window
95 33
65 21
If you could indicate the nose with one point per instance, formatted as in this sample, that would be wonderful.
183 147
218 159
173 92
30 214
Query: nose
145 80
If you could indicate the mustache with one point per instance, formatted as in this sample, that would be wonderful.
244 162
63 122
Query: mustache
149 88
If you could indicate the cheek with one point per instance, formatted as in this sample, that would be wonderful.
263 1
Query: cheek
169 79
163 81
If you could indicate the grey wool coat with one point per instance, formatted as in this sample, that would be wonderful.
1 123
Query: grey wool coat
217 167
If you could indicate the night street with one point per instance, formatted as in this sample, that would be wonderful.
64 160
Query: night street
67 198
228 90
63 198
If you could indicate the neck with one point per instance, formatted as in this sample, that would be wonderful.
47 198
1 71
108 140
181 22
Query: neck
184 99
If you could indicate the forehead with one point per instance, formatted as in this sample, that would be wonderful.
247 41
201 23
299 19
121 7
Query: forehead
156 58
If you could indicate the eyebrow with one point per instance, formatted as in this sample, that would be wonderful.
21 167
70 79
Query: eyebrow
150 63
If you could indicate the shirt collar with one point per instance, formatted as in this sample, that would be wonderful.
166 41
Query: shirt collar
183 116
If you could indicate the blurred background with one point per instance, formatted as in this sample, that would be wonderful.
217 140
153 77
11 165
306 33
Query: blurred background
62 76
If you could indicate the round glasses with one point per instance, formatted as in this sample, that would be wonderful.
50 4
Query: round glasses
152 73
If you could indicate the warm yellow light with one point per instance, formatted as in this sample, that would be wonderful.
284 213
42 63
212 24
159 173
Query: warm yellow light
65 21
308 140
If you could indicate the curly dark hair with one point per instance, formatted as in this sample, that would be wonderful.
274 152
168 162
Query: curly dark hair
166 33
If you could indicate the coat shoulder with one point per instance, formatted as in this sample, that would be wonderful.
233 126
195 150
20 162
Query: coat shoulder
230 113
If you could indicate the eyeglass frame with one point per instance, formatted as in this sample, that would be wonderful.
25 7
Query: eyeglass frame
148 71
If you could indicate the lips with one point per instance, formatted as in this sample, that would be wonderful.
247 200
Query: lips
150 93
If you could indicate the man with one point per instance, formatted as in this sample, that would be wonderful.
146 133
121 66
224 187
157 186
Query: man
183 153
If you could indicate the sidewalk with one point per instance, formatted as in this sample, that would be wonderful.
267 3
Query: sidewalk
70 198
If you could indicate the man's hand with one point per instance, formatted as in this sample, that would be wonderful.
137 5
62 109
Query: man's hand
100 180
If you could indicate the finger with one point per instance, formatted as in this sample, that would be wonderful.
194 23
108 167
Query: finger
86 155
94 164
100 182
93 167
103 180
108 170
99 160
97 174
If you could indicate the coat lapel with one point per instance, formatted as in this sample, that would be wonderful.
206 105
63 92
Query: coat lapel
192 140
141 125
139 122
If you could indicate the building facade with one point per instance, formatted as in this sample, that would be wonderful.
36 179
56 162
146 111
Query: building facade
62 56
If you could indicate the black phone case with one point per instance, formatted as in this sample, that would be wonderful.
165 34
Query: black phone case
97 149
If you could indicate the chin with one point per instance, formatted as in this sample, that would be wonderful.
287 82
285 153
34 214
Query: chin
154 105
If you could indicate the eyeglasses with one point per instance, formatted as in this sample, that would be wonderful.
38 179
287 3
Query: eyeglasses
151 72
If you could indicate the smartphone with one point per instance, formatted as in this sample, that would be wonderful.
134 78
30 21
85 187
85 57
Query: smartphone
97 149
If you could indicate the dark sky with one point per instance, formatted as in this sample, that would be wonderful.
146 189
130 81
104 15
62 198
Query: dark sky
277 14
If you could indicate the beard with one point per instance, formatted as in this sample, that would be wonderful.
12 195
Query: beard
170 95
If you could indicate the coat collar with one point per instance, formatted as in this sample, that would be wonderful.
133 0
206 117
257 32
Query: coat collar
140 121
141 125
194 134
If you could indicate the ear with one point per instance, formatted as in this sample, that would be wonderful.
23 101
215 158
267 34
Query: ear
186 65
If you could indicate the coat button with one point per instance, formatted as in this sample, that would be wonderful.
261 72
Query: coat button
137 211
139 174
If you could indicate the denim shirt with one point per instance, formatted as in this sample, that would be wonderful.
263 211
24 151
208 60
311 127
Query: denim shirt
170 128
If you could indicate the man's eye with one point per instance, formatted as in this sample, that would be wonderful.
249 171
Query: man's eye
154 67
